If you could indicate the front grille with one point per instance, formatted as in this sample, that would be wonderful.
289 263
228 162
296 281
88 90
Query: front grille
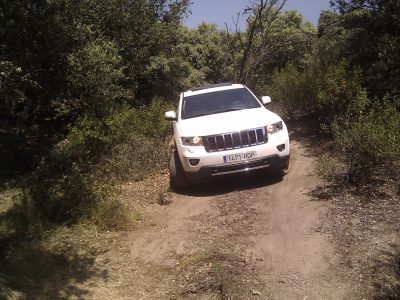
235 140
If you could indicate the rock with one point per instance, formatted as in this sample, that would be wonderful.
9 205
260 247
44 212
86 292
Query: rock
256 293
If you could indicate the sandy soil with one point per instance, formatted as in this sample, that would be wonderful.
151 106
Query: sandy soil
298 260
242 237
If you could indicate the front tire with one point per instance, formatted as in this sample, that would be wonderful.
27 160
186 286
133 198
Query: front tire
282 172
177 177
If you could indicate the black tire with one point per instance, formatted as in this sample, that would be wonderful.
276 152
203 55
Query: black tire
284 172
281 172
177 177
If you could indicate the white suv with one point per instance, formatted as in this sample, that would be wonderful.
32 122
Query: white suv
223 129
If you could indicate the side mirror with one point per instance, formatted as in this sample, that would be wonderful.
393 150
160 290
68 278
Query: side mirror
266 99
170 116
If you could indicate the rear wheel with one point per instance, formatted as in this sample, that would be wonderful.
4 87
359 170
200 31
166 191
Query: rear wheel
177 177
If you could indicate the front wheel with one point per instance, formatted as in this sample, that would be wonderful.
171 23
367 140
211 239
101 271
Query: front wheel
177 177
281 172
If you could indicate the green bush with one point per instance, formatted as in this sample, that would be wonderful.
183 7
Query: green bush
327 167
77 180
110 213
370 142
340 92
146 121
138 139
135 159
294 91
95 76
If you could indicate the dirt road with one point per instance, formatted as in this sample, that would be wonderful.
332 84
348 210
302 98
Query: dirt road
241 237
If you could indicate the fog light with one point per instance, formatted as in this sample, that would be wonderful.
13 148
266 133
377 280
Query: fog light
194 162
281 147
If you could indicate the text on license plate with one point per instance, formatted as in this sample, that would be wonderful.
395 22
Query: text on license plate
239 156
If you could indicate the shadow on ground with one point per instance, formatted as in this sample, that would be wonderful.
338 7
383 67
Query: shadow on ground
388 288
230 183
306 130
30 271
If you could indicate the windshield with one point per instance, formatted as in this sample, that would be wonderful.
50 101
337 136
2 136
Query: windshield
217 102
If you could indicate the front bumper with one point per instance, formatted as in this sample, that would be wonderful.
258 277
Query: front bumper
273 163
268 155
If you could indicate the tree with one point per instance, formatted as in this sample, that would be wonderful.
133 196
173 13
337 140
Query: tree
95 77
372 37
272 39
63 59
260 15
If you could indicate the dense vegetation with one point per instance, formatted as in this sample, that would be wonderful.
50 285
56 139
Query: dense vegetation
84 84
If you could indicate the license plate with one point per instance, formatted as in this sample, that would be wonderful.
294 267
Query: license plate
239 156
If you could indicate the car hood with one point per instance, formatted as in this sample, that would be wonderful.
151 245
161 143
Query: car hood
227 122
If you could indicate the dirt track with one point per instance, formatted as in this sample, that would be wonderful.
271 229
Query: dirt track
242 237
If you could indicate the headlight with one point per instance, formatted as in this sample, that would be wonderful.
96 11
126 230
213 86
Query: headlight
273 128
192 141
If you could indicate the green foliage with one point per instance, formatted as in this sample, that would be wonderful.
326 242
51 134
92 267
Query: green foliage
151 121
61 189
369 41
362 35
201 56
327 167
77 179
370 142
331 36
95 76
340 92
61 60
294 91
272 40
138 138
209 52
13 81
77 83
82 85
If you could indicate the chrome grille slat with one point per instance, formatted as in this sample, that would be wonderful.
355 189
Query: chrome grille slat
235 140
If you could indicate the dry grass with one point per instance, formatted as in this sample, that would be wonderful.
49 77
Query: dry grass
217 273
364 223
49 266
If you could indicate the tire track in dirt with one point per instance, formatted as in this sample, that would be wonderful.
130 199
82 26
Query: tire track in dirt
298 261
242 237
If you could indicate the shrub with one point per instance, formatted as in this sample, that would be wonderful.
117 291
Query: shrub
78 179
109 212
370 142
340 92
146 121
294 91
95 76
62 189
327 167
138 138
134 159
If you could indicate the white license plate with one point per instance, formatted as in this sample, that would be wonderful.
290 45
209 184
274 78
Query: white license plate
239 156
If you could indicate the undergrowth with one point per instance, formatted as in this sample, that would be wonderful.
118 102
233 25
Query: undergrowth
215 273
79 179
76 185
47 266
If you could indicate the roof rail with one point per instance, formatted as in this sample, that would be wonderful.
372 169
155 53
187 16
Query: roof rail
203 87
